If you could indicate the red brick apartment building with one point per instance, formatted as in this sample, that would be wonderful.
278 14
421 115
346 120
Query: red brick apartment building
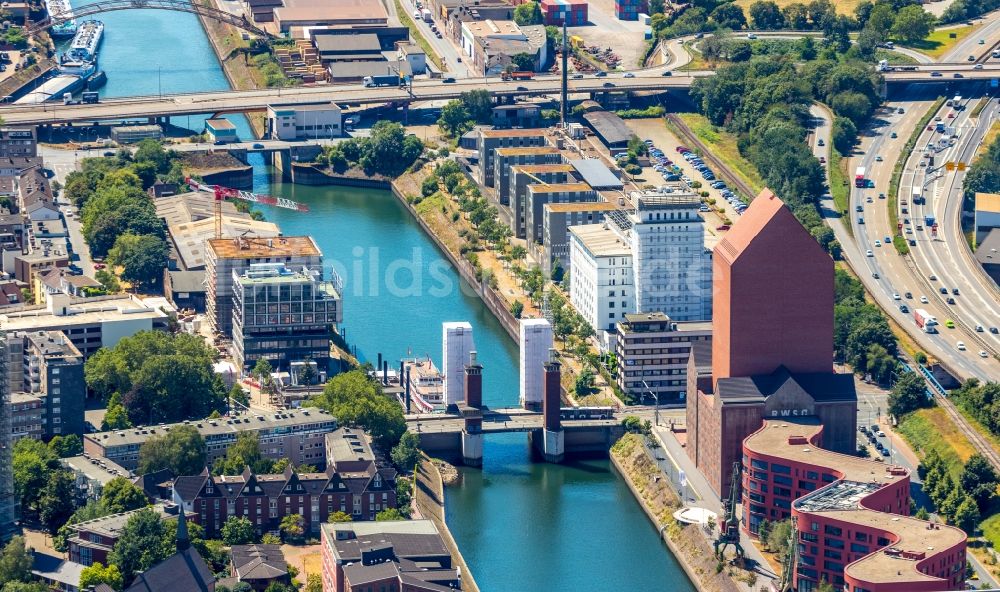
850 513
772 342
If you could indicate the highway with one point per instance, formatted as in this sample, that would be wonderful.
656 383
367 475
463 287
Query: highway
946 255
426 90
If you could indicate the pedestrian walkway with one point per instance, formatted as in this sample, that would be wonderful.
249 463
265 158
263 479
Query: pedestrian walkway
672 459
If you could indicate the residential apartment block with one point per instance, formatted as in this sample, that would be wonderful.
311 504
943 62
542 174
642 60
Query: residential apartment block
524 175
601 281
18 142
505 158
92 541
296 435
537 195
490 140
557 219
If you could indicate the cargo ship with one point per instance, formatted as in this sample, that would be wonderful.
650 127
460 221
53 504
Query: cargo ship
58 10
426 386
86 41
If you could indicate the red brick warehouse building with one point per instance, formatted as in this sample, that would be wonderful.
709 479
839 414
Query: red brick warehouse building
850 514
772 342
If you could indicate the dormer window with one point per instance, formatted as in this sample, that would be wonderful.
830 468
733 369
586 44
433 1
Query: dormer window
378 480
209 489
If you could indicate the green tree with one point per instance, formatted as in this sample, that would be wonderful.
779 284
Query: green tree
881 20
237 531
140 545
56 502
292 528
908 394
454 120
15 562
529 13
25 587
389 515
980 480
270 539
32 462
356 399
922 514
404 495
765 15
66 446
121 495
729 15
152 151
777 537
967 515
314 583
763 532
243 453
116 418
239 397
517 309
912 24
182 450
97 573
584 384
339 516
141 257
844 135
525 62
406 454
478 103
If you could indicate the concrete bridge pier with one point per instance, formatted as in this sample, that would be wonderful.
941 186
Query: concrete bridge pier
553 440
472 410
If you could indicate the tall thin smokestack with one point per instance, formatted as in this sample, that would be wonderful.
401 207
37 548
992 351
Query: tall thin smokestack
565 76
408 389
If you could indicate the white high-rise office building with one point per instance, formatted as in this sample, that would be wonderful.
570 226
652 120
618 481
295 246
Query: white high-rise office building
457 344
672 268
535 340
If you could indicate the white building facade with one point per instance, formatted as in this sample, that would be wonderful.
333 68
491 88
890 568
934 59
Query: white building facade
457 345
672 270
535 340
601 280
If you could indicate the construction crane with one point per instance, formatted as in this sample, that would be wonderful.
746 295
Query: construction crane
729 530
223 193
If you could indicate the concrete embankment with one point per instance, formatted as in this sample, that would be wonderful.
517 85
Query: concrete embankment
633 462
429 497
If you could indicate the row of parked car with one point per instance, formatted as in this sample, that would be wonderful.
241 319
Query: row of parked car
672 172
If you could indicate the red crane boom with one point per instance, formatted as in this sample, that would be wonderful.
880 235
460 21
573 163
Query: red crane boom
223 193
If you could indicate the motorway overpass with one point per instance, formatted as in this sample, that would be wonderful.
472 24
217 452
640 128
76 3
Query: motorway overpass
257 100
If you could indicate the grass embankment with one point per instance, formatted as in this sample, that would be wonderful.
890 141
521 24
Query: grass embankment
404 18
839 187
980 105
724 147
940 41
894 57
698 61
931 429
897 173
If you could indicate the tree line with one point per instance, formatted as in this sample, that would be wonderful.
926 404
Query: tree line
963 500
861 333
387 151
981 401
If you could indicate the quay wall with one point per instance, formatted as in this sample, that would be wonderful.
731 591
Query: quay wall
428 492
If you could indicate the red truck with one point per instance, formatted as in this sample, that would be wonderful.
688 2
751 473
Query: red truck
518 75
925 320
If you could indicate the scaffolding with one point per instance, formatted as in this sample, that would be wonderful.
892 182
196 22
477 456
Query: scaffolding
8 501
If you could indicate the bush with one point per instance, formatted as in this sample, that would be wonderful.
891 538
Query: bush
429 186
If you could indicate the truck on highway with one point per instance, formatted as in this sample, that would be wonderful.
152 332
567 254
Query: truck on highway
859 177
427 16
995 54
90 97
517 75
929 221
381 80
939 127
925 320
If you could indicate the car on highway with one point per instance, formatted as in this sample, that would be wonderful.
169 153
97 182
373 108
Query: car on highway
869 199
979 328
977 67
887 240
600 74
949 323
994 330
913 243
875 275
881 196
609 85
722 227
943 290
820 142
878 159
109 154
904 309
628 75
932 277
522 88
935 74
950 300
861 220
870 253
957 75
258 146
900 111
923 300
908 295
893 135
885 452
577 76
954 291
859 208
878 243
667 73
983 354
982 42
951 115
895 296
960 345
448 80
971 58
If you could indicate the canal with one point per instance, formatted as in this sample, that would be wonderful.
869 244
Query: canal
520 525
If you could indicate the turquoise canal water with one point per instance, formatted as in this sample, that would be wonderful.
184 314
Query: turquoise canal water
521 526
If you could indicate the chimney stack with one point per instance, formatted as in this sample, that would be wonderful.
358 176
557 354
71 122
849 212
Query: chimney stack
551 392
473 382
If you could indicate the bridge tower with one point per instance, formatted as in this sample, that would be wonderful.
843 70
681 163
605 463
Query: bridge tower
472 410
553 436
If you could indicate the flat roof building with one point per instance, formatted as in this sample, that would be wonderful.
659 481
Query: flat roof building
18 142
557 219
523 175
610 128
225 256
505 158
852 514
491 139
988 255
653 354
987 214
601 287
296 435
329 13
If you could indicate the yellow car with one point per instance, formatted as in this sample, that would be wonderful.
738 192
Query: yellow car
950 324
